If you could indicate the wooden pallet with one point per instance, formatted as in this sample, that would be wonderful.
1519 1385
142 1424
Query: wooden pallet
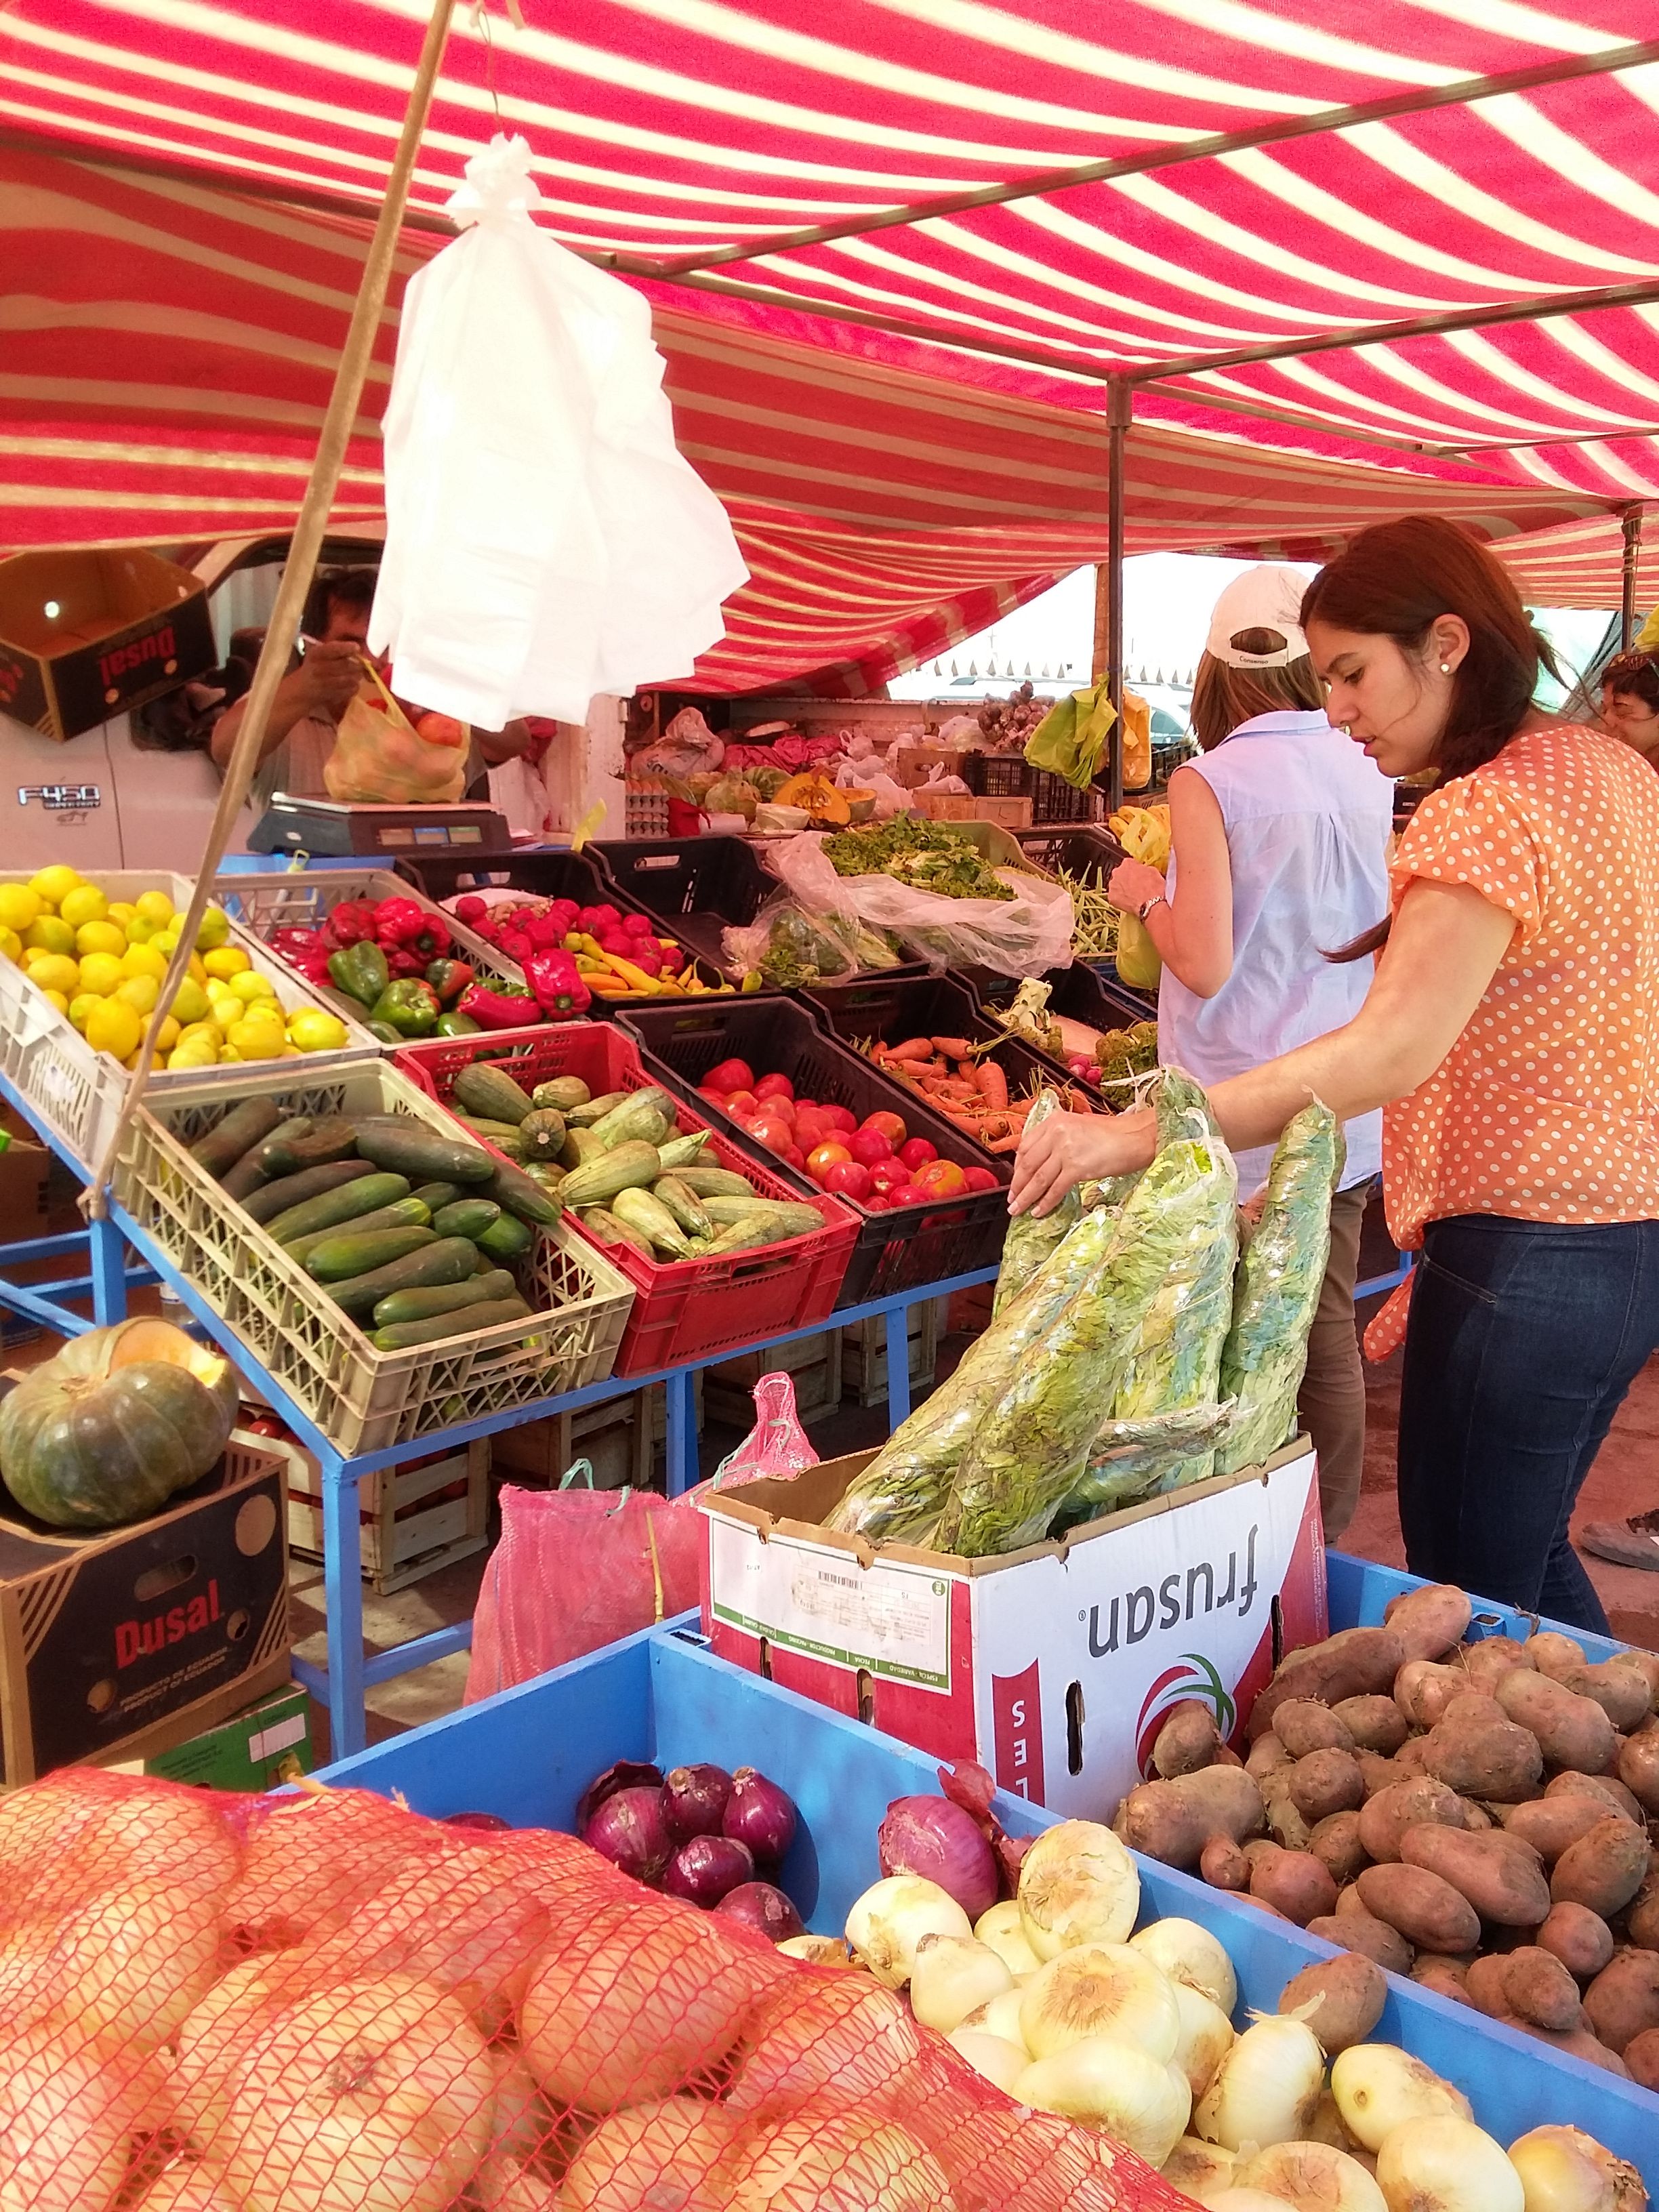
863 1353
812 1362
621 1439
411 1520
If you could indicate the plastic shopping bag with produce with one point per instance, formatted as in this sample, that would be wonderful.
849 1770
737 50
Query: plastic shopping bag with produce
380 758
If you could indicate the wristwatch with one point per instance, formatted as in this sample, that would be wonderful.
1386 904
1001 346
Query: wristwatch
1157 898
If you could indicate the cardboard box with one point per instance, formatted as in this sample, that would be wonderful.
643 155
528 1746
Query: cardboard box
259 1749
913 764
114 1646
1053 1667
87 636
969 806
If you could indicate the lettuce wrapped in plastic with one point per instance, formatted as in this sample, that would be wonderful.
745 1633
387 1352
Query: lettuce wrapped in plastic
1028 1240
1278 1288
1130 1462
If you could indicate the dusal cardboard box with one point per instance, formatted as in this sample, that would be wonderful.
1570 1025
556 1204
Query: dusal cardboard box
1053 1667
84 636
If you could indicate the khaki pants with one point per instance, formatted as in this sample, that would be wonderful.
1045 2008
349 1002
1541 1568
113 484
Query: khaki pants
1332 1403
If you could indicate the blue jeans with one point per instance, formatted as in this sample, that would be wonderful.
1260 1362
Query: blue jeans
1524 1338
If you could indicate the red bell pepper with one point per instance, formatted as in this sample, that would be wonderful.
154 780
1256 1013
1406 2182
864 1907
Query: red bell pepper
400 921
515 945
544 932
449 978
351 922
499 1005
403 964
560 990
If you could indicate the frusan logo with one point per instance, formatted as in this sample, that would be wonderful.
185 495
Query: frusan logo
158 645
143 1639
1194 1677
1132 1616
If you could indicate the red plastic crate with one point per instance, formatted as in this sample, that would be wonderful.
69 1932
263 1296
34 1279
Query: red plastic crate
683 1309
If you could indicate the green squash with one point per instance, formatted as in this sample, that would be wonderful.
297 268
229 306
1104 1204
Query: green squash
123 1417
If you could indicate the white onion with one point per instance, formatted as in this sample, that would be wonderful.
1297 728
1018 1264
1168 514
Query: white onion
1004 1930
1101 1989
1378 2089
889 1920
992 2056
1446 2165
1312 2177
1189 1953
1267 2090
1326 2125
1077 1885
1564 2170
1115 2087
1246 2200
1199 2169
1205 2038
816 1950
1001 2017
953 1976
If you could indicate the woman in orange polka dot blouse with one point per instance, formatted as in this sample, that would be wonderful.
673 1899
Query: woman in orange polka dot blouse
1511 1033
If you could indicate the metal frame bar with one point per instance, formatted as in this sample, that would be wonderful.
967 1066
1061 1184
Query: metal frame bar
1631 522
1119 416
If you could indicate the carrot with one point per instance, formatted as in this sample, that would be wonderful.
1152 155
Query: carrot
992 1083
917 1049
953 1048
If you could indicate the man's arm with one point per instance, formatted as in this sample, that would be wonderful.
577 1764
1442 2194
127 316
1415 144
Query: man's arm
325 683
503 745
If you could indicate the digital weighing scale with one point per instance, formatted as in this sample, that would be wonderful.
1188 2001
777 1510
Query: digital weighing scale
332 827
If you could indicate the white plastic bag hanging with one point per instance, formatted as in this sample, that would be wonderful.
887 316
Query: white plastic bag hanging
545 540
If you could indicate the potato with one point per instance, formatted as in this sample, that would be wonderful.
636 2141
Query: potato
1188 1742
1325 1782
1623 2000
1494 1655
1492 1759
1641 2057
1429 1620
1604 1868
1542 1990
1364 1932
1638 1769
1622 1691
1293 1883
1646 1664
1285 1825
1411 1758
1579 1938
1340 1999
1424 1907
1384 1819
1553 1654
1172 1820
1422 1690
1377 1772
1486 1985
1605 1788
1222 1865
1550 1824
1502 1878
1443 1975
1572 1731
1268 1757
1577 2043
1354 1664
1642 1921
1335 1844
1374 1723
1302 1726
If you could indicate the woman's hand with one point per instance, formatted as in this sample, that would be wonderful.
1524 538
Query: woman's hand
1132 884
1065 1149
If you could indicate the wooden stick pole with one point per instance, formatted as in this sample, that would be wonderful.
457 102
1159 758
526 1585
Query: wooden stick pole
308 533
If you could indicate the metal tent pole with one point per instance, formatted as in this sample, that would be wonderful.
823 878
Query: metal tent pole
1631 520
1120 412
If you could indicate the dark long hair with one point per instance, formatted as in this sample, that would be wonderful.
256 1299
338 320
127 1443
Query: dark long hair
1396 580
1224 696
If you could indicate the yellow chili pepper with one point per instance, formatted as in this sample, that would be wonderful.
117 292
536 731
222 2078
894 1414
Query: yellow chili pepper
634 977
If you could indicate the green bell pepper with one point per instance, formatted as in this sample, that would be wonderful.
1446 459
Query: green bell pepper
360 971
455 1024
409 1006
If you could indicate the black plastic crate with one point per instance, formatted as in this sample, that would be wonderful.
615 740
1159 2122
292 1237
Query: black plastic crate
1089 853
681 1042
697 887
1010 776
888 1009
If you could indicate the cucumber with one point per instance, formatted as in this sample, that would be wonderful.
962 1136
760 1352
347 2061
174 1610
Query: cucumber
242 1128
364 1193
491 1093
407 1147
275 1198
522 1194
403 1213
437 1195
247 1176
447 1260
402 1335
354 1252
334 1137
443 1298
506 1239
504 1135
468 1216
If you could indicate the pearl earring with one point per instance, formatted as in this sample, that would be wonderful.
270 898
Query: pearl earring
1445 668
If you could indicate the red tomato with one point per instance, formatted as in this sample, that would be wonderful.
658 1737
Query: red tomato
940 1179
775 1087
849 1177
713 1098
806 1105
876 1200
870 1145
794 1156
839 1117
730 1075
889 1174
906 1195
781 1109
980 1179
822 1158
916 1151
890 1125
772 1131
810 1128
738 1103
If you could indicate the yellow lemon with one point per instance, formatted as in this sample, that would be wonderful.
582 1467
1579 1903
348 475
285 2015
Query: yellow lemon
144 960
189 1000
199 1030
248 987
11 944
256 1040
165 940
226 960
290 1052
100 937
166 1037
222 996
194 1052
53 886
80 1007
57 1000
100 974
113 1028
312 1029
154 906
213 929
143 929
86 903
120 912
19 906
50 934
140 993
54 972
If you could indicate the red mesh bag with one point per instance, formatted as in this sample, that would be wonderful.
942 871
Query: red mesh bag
324 2004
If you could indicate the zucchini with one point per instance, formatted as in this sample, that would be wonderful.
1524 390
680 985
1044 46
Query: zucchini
335 1137
647 1116
542 1134
525 1195
354 1252
631 1167
640 1209
403 1213
275 1198
506 1239
468 1216
595 1109
714 1182
447 1260
684 1205
580 1145
491 1093
437 1195
745 1236
604 1228
799 1219
401 1336
246 1125
407 1147
247 1176
561 1093
503 1135
683 1152
364 1193
443 1298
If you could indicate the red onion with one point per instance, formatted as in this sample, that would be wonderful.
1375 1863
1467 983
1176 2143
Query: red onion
627 1830
705 1868
626 1774
758 1813
931 1837
492 1821
693 1802
760 1907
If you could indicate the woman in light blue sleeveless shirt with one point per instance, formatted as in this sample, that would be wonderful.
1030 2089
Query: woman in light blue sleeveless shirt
1279 856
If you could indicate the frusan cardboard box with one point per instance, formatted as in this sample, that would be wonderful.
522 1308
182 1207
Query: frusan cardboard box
87 636
1053 1667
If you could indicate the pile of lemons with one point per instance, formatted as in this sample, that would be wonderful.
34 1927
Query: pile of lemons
103 964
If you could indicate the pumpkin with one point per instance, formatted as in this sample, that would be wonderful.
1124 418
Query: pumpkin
815 792
119 1420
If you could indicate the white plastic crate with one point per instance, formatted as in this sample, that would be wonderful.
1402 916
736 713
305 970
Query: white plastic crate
77 1091
361 1398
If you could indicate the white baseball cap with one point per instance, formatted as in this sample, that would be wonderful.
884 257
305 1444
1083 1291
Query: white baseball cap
1264 597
